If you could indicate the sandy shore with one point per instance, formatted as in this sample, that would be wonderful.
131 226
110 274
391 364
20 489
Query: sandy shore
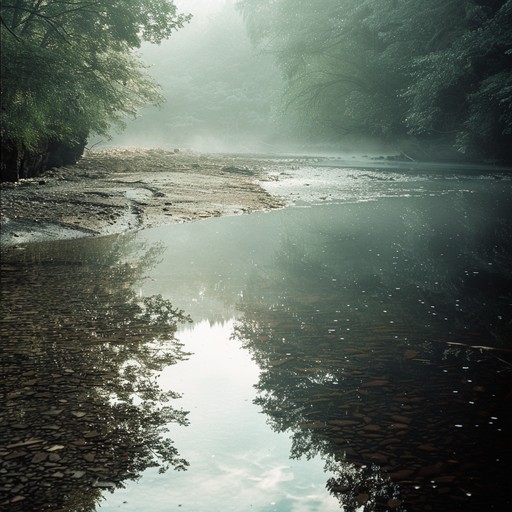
117 190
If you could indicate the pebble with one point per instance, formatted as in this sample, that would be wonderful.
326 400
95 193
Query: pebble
55 447
59 445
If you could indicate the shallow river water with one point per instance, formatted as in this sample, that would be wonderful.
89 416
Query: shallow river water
351 352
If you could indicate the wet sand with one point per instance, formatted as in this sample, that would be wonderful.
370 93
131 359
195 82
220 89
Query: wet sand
118 190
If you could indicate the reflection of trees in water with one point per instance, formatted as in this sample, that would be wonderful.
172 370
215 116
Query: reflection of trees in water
435 265
80 353
459 259
301 389
344 344
362 486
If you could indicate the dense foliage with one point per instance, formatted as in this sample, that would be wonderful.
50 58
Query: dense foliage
68 69
437 71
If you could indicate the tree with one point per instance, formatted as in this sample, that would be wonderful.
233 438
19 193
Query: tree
438 71
68 70
335 60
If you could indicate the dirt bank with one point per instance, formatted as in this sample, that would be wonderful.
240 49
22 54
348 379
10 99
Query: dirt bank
116 190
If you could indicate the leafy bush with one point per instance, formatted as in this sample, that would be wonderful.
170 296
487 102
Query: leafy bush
68 69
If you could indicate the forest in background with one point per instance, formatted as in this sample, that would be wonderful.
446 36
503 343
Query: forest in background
221 93
434 77
431 79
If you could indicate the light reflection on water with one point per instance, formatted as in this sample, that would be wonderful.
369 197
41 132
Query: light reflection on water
361 318
351 326
80 411
236 461
327 183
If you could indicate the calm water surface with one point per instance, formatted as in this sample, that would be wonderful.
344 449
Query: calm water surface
352 352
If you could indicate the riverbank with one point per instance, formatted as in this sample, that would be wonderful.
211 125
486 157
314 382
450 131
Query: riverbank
117 190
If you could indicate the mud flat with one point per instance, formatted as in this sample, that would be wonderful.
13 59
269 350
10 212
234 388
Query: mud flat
117 190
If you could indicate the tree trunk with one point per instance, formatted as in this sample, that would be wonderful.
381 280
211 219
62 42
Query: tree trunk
19 162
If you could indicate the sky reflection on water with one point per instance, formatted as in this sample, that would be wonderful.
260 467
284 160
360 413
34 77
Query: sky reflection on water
347 335
361 317
236 461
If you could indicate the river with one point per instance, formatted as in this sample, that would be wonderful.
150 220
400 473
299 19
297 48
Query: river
350 352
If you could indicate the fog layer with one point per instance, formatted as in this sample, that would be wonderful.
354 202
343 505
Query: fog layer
221 93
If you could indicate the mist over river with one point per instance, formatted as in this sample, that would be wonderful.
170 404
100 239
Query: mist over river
349 352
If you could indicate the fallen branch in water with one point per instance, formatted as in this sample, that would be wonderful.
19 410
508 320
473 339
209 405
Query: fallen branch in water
478 347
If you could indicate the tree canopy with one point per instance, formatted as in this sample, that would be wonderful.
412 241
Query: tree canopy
68 68
439 71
